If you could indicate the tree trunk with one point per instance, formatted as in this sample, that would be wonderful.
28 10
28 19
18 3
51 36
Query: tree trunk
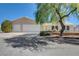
62 27
62 17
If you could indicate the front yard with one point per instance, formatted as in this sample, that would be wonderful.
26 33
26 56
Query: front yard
29 45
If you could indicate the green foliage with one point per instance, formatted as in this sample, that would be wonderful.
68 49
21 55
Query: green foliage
46 12
56 12
42 13
6 26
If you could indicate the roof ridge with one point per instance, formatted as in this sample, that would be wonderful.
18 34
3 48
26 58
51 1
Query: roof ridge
23 17
23 20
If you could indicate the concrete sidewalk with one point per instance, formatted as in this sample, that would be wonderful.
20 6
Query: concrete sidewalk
15 34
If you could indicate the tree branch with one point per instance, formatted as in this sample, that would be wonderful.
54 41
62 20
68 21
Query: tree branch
58 13
69 13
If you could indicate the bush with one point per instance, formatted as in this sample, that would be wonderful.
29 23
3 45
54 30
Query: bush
6 26
44 33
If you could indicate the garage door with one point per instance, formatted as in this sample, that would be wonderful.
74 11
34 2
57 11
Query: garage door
16 28
26 28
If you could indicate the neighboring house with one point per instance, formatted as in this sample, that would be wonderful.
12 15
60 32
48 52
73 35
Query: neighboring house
57 27
46 27
25 25
76 28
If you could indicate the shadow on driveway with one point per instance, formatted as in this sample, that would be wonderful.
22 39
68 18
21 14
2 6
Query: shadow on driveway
25 41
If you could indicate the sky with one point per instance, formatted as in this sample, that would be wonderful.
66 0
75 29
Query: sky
72 20
14 11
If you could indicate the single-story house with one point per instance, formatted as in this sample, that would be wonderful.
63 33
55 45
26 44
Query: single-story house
57 27
25 25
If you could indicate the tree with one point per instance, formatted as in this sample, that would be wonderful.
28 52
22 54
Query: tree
6 26
49 12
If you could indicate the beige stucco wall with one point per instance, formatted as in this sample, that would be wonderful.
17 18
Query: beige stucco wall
43 27
48 27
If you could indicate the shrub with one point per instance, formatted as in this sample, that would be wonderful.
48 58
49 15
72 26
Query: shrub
44 33
6 26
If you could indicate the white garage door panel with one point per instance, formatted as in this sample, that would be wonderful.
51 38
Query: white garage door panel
31 28
28 29
17 28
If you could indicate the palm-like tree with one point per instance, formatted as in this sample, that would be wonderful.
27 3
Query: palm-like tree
49 12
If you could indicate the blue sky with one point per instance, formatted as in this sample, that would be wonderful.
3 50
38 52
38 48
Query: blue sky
13 11
72 20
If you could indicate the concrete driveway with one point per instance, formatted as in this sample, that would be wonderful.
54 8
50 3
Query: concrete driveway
15 34
52 49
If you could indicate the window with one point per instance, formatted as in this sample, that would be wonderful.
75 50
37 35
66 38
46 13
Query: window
52 27
67 27
56 27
